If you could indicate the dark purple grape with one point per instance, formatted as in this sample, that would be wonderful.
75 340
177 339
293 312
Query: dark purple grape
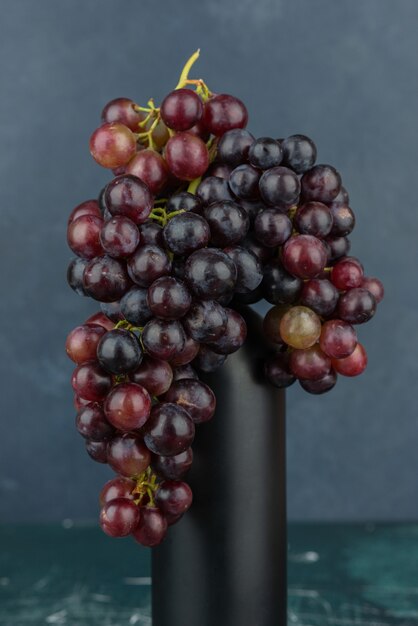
122 110
304 256
89 207
280 287
119 237
195 397
233 336
173 497
313 218
169 430
279 185
181 109
112 310
105 279
234 145
228 223
147 264
184 371
343 219
320 385
163 339
119 351
210 274
299 153
321 183
206 321
128 196
92 424
134 306
97 450
185 356
75 274
214 189
209 361
252 208
169 298
155 375
221 170
272 228
356 306
91 382
184 201
224 112
249 270
320 295
265 153
337 247
243 182
186 233
342 198
151 233
128 456
276 369
173 467
152 527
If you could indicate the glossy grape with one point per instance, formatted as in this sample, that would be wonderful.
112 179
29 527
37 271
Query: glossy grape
337 248
122 110
187 156
127 195
279 185
210 274
280 287
101 320
105 279
112 311
347 274
309 363
147 264
127 407
173 497
195 397
272 228
352 365
265 153
128 456
304 256
163 339
321 183
89 207
169 298
187 354
112 145
375 286
119 517
206 321
214 189
117 488
233 336
300 327
119 237
151 233
186 233
343 220
152 527
299 153
83 236
313 218
223 113
227 221
150 167
155 375
181 109
249 269
134 306
234 145
356 306
119 351
75 273
91 382
338 339
92 424
320 295
173 467
82 342
97 450
243 181
170 430
277 371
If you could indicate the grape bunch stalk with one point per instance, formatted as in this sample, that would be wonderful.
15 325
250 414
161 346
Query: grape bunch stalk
199 220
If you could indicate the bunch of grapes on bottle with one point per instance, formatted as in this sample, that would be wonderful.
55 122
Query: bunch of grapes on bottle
200 220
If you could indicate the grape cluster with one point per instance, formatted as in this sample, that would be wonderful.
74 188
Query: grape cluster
200 219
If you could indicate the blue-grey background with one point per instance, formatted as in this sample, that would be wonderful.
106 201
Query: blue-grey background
342 72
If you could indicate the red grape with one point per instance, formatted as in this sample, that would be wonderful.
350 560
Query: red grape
224 112
352 365
127 406
82 342
122 110
338 339
117 488
173 467
127 455
119 237
105 279
112 145
127 195
187 156
83 236
119 517
155 375
304 256
375 286
347 274
309 364
173 497
91 382
152 527
169 430
169 298
181 109
89 207
150 167
92 424
194 396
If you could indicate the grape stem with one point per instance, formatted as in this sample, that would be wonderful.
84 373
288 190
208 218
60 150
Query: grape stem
146 485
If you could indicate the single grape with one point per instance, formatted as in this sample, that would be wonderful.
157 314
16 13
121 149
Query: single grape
234 145
169 298
89 207
187 354
227 221
195 397
186 233
184 371
271 324
300 328
152 527
375 286
187 156
279 185
91 382
309 363
173 467
119 237
234 335
75 273
97 450
280 287
83 236
299 153
243 182
128 456
101 320
347 274
151 233
105 279
320 295
183 201
112 145
272 228
92 424
119 351
321 183
206 320
122 110
356 306
207 360
150 167
343 220
127 195
117 488
181 109
338 339
352 365
265 153
119 517
147 264
276 370
214 189
249 269
223 113
169 430
134 306
127 407
82 342
320 385
163 339
337 247
313 218
173 497
210 274
112 311
304 256
155 375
